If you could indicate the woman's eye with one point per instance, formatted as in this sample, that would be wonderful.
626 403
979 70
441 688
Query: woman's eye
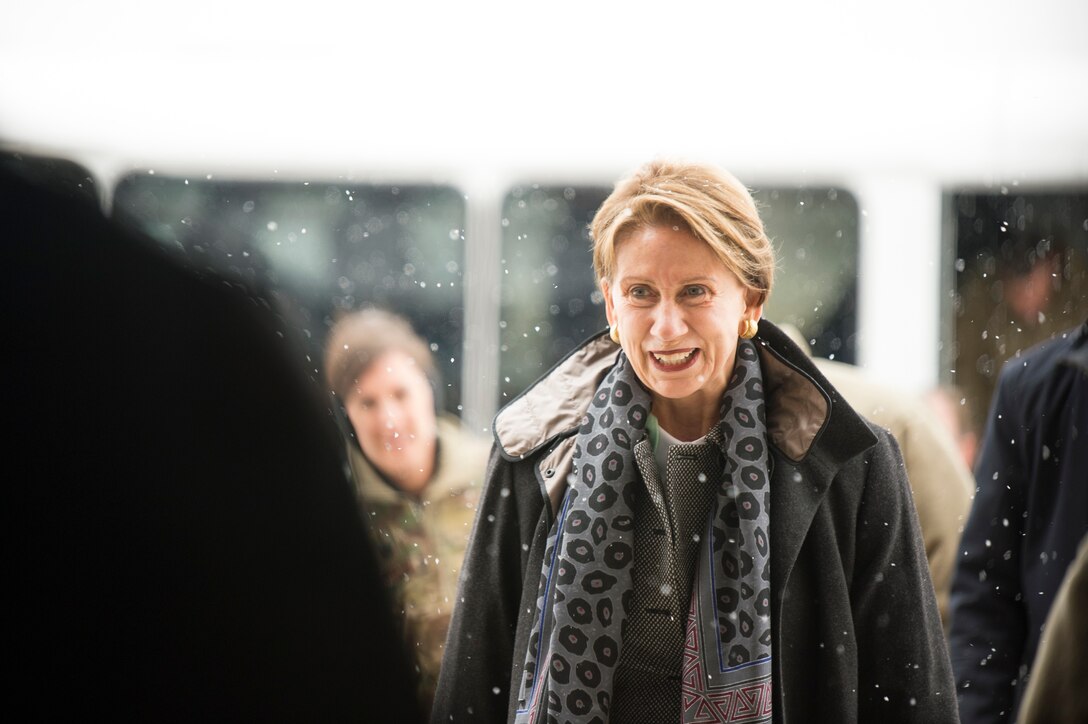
639 292
695 290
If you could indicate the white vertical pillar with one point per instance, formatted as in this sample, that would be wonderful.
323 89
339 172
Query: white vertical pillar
480 357
899 283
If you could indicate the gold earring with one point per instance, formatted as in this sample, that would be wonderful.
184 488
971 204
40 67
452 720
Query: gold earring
751 326
614 333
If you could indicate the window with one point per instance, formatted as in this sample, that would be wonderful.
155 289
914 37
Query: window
815 235
1020 277
319 248
550 300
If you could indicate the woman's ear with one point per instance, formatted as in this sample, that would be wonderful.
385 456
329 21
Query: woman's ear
753 305
609 310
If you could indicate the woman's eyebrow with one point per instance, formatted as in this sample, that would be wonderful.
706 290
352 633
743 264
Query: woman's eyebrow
633 278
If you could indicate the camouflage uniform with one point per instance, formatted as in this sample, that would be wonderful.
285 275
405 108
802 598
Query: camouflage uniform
421 541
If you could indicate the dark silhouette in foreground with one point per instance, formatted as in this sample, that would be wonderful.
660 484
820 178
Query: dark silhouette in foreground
183 544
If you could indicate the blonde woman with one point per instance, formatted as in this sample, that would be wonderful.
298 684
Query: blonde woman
683 521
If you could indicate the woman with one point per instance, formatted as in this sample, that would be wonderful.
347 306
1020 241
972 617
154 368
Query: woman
417 474
682 519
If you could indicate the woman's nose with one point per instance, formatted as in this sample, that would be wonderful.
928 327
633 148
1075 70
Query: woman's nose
668 322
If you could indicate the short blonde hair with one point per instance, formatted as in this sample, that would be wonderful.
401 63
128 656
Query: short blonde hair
711 203
361 337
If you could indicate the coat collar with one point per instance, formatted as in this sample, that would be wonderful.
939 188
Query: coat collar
552 407
1077 356
802 407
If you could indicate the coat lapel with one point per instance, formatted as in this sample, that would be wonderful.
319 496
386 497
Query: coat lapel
803 408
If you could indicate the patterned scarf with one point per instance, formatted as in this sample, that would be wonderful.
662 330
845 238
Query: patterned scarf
586 575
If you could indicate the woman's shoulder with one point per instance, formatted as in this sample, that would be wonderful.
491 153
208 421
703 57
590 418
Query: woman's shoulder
552 407
807 417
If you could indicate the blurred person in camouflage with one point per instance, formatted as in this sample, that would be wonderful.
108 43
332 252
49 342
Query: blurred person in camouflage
417 473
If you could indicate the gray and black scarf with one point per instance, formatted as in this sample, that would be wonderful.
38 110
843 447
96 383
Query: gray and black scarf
576 637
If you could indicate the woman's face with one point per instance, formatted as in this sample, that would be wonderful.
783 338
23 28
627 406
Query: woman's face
391 408
679 311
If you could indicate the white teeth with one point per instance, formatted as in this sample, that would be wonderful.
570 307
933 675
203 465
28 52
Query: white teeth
674 359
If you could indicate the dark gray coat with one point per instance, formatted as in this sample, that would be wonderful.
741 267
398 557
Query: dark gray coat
857 636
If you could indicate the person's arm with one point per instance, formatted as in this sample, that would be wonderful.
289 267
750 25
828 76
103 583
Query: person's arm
988 620
904 674
474 684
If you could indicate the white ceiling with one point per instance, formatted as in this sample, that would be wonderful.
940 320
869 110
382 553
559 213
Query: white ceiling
967 91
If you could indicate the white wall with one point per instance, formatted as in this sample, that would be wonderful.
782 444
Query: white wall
945 88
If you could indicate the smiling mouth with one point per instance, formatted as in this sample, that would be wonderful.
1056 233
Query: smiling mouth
675 360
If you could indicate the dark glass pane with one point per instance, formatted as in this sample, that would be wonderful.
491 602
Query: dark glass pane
320 248
815 235
550 300
1020 277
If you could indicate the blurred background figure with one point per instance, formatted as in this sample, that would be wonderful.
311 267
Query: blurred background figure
1055 692
941 482
953 412
181 542
1024 289
1028 517
417 473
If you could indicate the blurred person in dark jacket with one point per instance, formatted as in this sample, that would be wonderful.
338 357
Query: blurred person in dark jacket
1029 514
183 542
